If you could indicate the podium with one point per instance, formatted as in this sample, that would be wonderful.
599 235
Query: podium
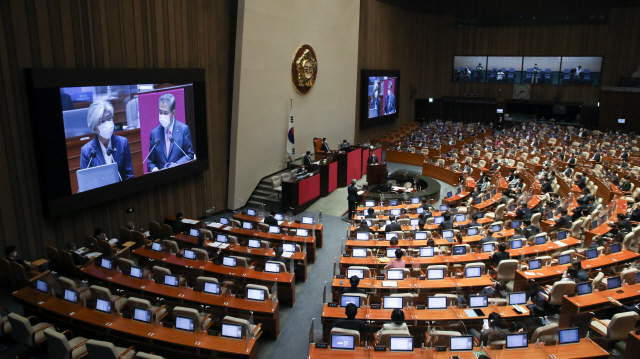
377 174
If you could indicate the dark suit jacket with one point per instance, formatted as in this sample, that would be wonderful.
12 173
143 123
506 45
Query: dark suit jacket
625 186
392 227
122 155
547 187
352 324
563 222
446 225
366 229
499 256
182 139
531 230
324 147
582 183
306 160
78 259
352 193
373 160
522 213
270 220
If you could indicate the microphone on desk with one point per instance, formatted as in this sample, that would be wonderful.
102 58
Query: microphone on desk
111 151
92 155
155 143
172 140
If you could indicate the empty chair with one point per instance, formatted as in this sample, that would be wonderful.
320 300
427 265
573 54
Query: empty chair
365 270
125 265
558 290
62 348
26 334
545 333
286 177
341 331
254 330
160 272
617 328
105 350
126 235
384 334
157 313
482 266
155 231
167 231
19 277
235 223
201 254
118 301
66 283
267 294
506 270
143 355
202 322
441 337
54 259
68 266
170 246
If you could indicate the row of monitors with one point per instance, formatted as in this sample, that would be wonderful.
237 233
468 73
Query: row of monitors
300 232
460 343
449 233
277 216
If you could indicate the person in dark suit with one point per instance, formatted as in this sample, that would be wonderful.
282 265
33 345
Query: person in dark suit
373 159
474 221
306 160
564 222
176 225
596 157
625 308
529 229
11 253
325 146
501 254
364 228
547 187
389 100
278 257
494 167
175 147
77 259
351 322
352 197
523 212
271 219
393 226
488 238
624 156
447 223
354 281
371 213
105 147
581 181
571 161
625 186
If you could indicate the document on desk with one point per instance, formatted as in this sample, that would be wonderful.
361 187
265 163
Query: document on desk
470 313
531 274
189 221
389 283
287 254
93 254
113 241
360 193
215 225
147 233
560 244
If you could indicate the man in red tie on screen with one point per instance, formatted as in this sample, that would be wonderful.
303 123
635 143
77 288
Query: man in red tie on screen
170 142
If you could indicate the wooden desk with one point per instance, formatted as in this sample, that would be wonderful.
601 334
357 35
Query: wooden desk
286 224
349 166
328 176
633 346
266 312
261 254
376 174
552 273
147 337
195 268
599 300
440 173
300 194
415 159
586 349
604 227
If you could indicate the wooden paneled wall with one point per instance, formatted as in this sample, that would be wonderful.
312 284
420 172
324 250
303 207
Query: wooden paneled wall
422 47
108 34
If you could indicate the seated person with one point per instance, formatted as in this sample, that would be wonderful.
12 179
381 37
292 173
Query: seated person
351 322
398 262
488 238
393 226
498 329
625 308
371 213
353 282
271 219
177 226
364 228
575 272
529 229
397 323
447 223
493 291
564 222
501 254
77 259
11 253
523 212
393 243
278 257
474 221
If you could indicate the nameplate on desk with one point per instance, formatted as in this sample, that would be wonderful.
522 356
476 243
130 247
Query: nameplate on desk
422 277
420 306
340 276
196 289
332 304
322 345
379 349
167 324
441 349
380 277
127 316
346 255
258 269
213 332
239 296
375 306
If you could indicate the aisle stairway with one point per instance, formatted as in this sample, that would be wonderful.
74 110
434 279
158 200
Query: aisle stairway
264 193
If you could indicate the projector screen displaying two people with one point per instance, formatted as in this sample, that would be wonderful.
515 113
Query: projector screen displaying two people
382 98
125 131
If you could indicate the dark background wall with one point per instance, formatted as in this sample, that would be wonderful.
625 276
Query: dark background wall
108 34
422 41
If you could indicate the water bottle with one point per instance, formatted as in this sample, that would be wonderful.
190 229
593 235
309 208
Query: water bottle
538 341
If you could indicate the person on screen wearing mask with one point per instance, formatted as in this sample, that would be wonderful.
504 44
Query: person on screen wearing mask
173 138
105 147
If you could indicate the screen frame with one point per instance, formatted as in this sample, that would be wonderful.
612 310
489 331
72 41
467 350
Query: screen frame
566 329
188 318
460 337
43 86
343 335
110 306
391 337
365 121
228 336
506 346
387 296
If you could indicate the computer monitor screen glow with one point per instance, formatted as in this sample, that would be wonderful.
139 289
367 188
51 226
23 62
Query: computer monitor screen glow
478 301
307 220
247 225
393 202
486 198
516 244
70 295
362 236
346 299
594 224
289 247
473 231
461 218
459 190
270 267
255 294
369 203
480 215
592 253
274 229
414 221
224 220
564 259
233 331
447 234
391 252
419 210
105 263
473 272
401 344
549 215
392 302
562 235
395 274
421 235
541 240
613 282
517 341
584 288
569 336
368 222
388 236
253 243
426 252
461 343
444 207
488 247
103 305
156 246
535 264
459 250
222 238
42 286
357 272
512 207
251 212
211 288
438 220
415 200
193 232
478 200
449 195
496 228
229 262
278 217
435 273
395 212
171 280
184 323
189 254
136 272
301 232
342 342
616 247
517 298
142 315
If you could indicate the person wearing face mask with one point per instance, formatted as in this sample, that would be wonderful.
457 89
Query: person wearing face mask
168 153
106 147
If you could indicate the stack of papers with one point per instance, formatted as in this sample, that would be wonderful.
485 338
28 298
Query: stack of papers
93 254
530 274
113 241
360 193
189 221
215 225
560 244
218 245
147 233
287 254
388 283
470 313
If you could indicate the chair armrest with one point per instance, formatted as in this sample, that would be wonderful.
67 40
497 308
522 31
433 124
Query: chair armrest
68 332
39 276
600 321
158 310
2 324
83 290
33 335
256 329
76 347
125 352
34 318
204 320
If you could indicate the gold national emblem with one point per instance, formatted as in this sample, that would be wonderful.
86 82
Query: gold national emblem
304 69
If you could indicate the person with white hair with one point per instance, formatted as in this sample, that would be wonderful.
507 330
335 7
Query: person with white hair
105 148
169 143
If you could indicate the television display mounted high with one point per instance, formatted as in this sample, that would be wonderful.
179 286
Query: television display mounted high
102 134
380 96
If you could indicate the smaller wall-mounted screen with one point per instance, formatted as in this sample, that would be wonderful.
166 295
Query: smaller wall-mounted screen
541 69
504 69
380 92
584 70
469 68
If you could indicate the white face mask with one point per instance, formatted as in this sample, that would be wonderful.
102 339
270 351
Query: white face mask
105 130
165 120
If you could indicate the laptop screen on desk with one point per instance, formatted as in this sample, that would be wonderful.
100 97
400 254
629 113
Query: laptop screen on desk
562 235
222 238
592 253
515 224
517 341
616 247
426 252
184 323
415 200
307 220
478 301
211 288
343 342
247 225
289 247
496 227
414 221
251 212
447 234
419 210
233 331
156 246
516 244
142 315
401 344
362 236
105 263
435 273
393 202
478 200
564 259
389 236
584 288
461 217
473 231
392 302
193 232
449 195
391 252
278 217
488 247
461 343
613 282
270 267
253 243
171 280
346 299
421 235
437 302
255 294
569 336
517 298
473 272
438 220
444 207
301 232
357 272
42 286
541 240
189 254
136 272
274 229
369 203
459 250
395 212
224 220
395 274
535 264
103 305
229 262
71 296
